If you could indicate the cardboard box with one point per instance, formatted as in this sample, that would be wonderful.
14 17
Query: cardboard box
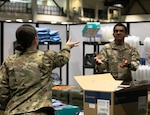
103 95
90 29
1 112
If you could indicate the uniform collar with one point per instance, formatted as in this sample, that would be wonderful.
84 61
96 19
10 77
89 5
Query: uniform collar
118 46
30 50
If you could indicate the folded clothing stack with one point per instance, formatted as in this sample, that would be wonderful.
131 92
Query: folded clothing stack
45 35
57 103
54 36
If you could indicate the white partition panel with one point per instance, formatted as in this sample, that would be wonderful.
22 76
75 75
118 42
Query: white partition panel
62 32
9 38
76 61
140 29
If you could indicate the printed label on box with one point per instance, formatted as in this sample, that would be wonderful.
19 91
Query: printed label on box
103 107
92 106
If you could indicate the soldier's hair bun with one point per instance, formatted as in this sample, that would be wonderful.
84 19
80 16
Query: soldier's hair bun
25 34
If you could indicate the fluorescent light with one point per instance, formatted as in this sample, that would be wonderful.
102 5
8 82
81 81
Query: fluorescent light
19 20
53 22
66 22
8 20
23 1
29 20
118 5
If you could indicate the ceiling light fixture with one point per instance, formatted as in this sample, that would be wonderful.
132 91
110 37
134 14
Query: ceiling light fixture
19 20
118 5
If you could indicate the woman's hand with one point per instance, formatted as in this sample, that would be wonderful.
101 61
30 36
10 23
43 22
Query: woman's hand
72 44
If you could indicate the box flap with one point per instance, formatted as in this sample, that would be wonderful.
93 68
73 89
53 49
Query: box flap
98 82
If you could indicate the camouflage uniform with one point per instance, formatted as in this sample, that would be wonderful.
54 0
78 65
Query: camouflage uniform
25 82
112 56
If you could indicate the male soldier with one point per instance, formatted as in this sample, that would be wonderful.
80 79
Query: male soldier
118 57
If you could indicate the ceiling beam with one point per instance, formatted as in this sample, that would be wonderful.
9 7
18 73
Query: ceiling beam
145 11
139 3
130 6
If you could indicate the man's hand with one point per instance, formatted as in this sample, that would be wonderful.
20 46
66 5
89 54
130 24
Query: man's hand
124 62
97 59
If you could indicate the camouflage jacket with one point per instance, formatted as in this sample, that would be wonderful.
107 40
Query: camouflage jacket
112 55
25 80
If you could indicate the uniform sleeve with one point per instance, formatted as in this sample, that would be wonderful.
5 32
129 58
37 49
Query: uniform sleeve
135 60
103 56
59 58
4 87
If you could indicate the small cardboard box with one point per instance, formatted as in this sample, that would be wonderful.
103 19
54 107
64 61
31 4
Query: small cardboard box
103 95
90 29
